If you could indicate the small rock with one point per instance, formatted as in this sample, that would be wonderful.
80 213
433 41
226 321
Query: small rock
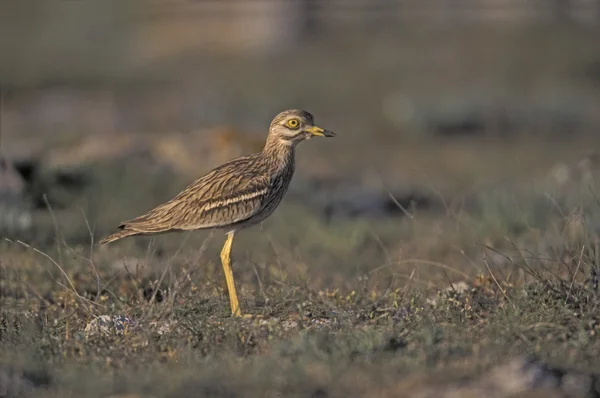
163 327
289 324
109 325
520 375
337 201
320 323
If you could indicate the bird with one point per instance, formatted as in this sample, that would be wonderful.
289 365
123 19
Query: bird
234 196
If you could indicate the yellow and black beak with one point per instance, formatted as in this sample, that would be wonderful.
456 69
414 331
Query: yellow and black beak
319 132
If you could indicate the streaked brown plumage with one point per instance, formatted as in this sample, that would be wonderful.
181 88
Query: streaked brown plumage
236 195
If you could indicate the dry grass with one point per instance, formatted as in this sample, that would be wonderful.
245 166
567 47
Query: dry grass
491 290
355 307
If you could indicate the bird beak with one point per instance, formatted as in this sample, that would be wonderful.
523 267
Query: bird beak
319 132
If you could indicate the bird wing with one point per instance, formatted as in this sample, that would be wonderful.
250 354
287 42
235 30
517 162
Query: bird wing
228 194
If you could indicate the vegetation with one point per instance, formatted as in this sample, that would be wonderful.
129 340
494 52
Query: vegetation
394 306
477 278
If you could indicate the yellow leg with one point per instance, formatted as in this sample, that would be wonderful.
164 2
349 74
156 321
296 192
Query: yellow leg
226 260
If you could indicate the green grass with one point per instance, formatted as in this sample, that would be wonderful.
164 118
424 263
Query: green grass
353 307
359 307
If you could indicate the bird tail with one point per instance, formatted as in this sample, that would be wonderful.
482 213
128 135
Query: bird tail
156 221
119 235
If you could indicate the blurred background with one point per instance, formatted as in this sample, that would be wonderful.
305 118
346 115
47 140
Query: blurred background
453 220
110 106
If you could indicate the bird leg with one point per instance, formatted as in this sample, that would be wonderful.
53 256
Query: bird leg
226 260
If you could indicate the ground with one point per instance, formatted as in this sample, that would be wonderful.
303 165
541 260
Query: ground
491 292
444 244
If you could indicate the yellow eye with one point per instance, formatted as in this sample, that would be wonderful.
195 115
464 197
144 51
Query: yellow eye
293 123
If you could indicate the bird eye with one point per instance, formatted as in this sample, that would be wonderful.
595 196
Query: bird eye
293 123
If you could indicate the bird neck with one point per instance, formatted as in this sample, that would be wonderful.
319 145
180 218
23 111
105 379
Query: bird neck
280 151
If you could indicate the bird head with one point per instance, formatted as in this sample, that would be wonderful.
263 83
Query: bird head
293 126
